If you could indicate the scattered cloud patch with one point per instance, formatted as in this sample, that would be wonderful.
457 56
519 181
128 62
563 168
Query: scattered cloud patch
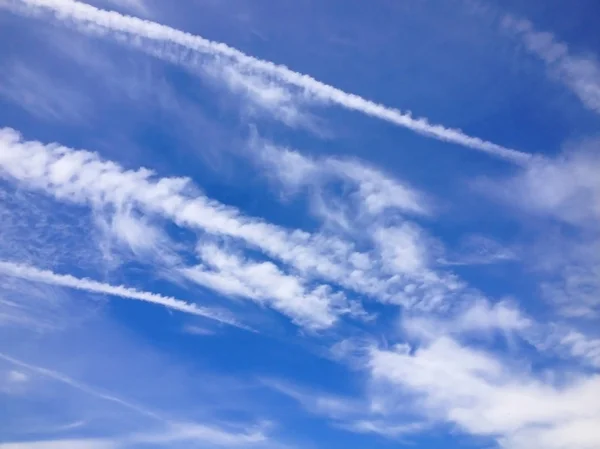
580 73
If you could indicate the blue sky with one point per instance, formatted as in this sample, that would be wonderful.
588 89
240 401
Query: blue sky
308 224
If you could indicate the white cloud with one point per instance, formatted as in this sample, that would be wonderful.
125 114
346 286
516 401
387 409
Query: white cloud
402 248
264 94
216 437
379 191
128 233
580 73
135 232
477 392
286 166
48 277
82 177
574 286
502 315
15 376
233 275
373 190
566 188
477 317
175 45
580 346
563 194
401 254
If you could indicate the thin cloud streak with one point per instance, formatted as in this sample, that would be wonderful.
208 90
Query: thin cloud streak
48 277
581 74
129 30
59 377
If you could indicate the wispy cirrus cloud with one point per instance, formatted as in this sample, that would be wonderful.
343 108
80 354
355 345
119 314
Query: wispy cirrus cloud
126 234
477 317
582 346
562 195
190 50
374 191
580 73
317 307
565 188
477 249
42 95
356 415
82 177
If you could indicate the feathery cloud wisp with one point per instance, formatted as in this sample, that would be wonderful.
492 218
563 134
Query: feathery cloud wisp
580 74
187 49
264 282
374 190
48 277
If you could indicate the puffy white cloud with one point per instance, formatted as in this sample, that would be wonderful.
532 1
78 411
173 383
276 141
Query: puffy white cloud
483 395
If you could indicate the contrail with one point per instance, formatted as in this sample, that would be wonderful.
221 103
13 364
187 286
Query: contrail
65 280
177 45
78 385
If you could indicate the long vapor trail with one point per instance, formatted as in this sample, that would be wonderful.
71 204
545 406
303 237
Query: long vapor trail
176 46
65 280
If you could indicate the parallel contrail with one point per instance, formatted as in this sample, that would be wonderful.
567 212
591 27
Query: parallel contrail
78 385
65 280
133 31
